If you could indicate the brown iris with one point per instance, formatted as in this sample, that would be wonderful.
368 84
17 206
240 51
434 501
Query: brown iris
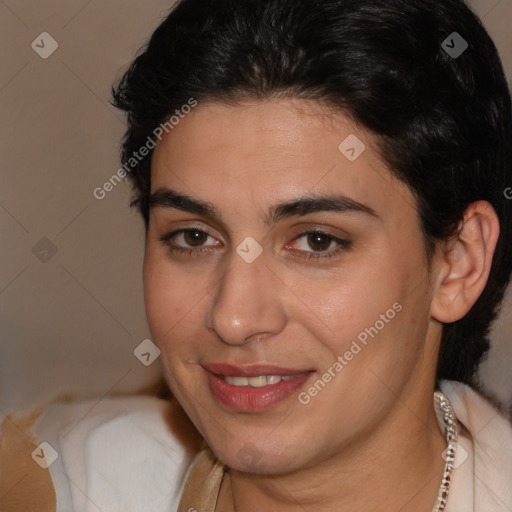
319 241
195 237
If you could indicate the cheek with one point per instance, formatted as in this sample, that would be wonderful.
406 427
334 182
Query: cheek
367 316
352 299
175 302
164 297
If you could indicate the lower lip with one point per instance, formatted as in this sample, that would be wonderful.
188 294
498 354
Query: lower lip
252 399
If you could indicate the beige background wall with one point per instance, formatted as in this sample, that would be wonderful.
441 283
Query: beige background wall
69 325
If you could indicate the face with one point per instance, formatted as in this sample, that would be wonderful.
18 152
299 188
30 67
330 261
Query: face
277 258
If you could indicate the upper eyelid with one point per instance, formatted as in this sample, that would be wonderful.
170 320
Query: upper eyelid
176 232
220 228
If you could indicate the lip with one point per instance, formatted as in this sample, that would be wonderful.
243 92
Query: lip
253 370
252 399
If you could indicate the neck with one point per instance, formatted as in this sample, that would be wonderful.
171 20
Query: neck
398 467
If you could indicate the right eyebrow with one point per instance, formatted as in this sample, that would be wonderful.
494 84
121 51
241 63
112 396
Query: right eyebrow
167 198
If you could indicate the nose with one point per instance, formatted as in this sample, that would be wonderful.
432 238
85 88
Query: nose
247 302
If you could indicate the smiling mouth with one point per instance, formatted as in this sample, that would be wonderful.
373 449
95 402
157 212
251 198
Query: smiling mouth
253 388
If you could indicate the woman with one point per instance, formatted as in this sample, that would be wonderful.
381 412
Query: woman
324 248
328 242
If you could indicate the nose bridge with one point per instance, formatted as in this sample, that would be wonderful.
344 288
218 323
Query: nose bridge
243 301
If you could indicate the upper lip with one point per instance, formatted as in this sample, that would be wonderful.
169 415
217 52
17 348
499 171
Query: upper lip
252 370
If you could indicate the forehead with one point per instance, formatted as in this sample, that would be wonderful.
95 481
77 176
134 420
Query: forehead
276 133
294 124
273 149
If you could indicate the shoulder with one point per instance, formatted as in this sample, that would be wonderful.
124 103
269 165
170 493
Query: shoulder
491 435
489 425
125 453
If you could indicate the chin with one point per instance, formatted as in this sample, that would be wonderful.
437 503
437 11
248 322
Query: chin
258 458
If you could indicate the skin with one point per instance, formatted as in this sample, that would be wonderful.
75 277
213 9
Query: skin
372 430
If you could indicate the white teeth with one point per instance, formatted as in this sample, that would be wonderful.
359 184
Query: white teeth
255 382
238 381
258 382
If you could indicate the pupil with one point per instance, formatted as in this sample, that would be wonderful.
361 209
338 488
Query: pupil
194 237
321 240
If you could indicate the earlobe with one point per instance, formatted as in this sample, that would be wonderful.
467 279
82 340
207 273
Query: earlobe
465 263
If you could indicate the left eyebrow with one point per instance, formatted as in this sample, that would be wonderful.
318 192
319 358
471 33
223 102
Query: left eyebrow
168 198
312 204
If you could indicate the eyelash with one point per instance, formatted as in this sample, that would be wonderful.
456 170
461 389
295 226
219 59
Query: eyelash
343 245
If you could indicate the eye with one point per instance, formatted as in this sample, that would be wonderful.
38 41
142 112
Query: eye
320 243
189 240
192 242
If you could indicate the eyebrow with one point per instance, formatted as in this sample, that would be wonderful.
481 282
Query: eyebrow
167 198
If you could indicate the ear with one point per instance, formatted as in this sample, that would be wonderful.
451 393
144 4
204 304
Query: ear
465 263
